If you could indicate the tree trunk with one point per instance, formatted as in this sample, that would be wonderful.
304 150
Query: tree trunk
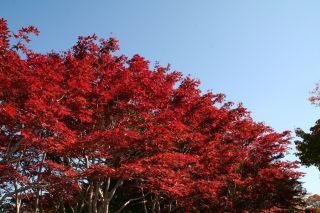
18 201
144 201
154 204
18 204
36 210
96 195
90 198
108 195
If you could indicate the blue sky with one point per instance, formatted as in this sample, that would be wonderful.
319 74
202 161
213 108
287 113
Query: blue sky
262 53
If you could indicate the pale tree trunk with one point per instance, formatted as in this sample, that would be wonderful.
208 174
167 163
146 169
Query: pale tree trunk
18 200
18 204
158 206
127 203
37 202
63 208
84 199
15 184
108 195
144 201
96 195
90 198
38 190
154 204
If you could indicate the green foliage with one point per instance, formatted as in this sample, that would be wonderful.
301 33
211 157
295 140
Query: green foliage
309 147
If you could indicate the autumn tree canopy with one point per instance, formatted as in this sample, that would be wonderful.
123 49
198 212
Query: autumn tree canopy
87 130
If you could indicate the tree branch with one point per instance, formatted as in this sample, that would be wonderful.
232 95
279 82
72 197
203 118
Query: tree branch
127 203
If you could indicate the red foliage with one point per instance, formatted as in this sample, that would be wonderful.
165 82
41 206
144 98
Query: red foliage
78 125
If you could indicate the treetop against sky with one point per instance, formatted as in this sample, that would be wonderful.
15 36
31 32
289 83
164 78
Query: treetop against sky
88 130
262 53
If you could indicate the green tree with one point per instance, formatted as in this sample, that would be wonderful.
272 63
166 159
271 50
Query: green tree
309 147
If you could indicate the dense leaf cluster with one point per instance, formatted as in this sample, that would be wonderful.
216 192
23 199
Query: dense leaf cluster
309 147
87 130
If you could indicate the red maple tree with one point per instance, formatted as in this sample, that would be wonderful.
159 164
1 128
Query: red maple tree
87 130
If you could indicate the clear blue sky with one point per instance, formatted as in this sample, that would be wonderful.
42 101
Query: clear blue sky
265 54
